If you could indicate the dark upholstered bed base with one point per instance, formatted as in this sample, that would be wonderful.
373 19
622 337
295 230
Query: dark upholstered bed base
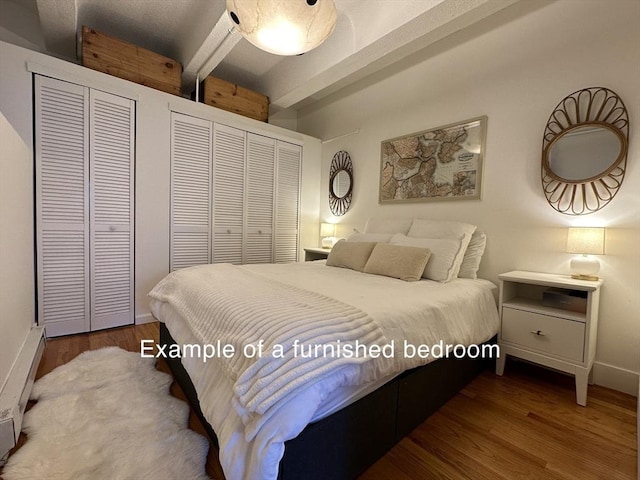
345 444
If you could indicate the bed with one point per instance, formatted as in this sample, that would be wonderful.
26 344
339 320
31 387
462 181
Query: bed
333 414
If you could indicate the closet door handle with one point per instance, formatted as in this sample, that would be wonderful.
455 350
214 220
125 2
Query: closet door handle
112 228
228 230
540 333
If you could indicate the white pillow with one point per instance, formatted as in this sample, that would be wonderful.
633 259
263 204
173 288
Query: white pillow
388 225
443 264
370 237
473 256
424 228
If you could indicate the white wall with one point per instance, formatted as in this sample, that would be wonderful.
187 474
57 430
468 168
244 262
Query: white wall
152 152
20 25
515 74
17 286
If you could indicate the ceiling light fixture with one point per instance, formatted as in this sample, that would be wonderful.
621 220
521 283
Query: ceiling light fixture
288 27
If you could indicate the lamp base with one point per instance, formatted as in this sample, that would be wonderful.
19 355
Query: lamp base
579 276
585 267
328 242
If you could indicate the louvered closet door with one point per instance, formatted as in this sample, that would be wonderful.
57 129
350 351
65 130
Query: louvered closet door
287 207
190 191
258 238
228 193
62 212
112 209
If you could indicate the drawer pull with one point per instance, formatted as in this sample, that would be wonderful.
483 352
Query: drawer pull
540 333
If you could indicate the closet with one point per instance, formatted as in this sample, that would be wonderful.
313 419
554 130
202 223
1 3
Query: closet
190 210
229 148
234 195
84 145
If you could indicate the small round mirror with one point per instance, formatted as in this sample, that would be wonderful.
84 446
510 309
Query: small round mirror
341 183
584 153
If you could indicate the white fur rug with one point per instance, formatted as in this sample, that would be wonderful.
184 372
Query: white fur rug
107 414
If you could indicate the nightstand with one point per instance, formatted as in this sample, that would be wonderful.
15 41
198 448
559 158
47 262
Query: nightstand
311 254
551 320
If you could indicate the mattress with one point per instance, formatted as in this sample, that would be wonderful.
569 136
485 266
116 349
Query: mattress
410 314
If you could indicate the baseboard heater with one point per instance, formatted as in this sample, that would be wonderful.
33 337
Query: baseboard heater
17 389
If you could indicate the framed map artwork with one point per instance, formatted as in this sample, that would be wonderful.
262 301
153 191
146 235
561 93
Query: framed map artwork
444 163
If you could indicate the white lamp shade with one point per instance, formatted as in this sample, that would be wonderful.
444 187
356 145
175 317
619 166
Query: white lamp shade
283 27
327 229
586 241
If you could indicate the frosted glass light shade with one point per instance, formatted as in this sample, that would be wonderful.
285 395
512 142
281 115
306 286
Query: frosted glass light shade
289 27
586 241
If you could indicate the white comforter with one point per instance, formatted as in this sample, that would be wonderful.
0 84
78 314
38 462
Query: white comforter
425 312
237 307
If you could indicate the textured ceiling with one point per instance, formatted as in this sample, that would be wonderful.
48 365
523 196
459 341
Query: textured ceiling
172 28
369 35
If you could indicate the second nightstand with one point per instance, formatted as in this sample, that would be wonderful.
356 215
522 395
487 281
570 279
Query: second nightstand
539 325
311 254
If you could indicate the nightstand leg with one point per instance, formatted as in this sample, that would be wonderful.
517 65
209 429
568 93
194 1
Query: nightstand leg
591 376
500 363
582 382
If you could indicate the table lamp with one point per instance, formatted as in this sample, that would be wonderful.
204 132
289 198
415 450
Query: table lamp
328 234
586 242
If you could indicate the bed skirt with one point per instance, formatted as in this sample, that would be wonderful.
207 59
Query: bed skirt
344 444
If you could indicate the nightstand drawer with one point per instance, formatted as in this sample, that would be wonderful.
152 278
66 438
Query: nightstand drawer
556 336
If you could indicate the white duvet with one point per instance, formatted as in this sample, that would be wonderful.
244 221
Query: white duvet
416 313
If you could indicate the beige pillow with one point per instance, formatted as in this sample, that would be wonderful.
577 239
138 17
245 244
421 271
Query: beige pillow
405 263
446 256
353 255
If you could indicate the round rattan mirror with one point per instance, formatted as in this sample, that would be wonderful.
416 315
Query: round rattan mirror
340 183
584 151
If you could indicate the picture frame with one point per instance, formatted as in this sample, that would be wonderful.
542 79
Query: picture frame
443 163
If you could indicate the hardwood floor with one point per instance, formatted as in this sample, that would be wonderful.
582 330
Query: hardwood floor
524 425
60 350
